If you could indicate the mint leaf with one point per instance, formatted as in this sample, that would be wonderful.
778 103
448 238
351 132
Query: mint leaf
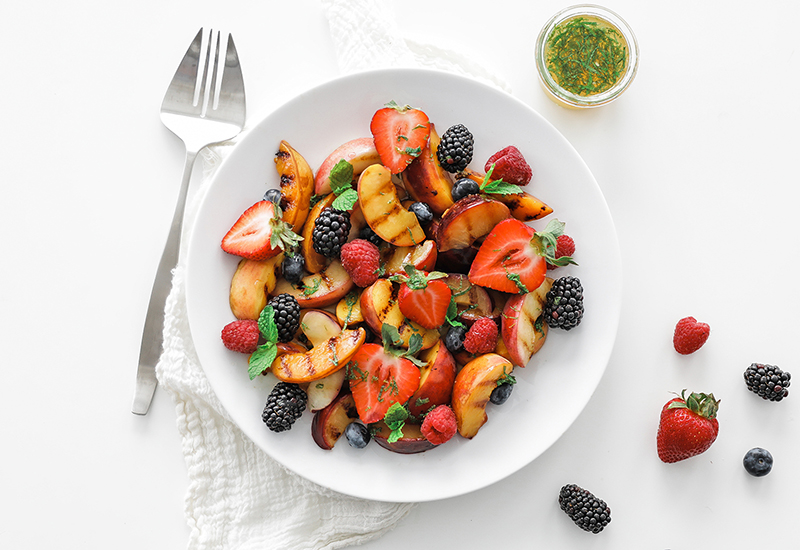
390 336
452 314
395 419
267 326
341 177
499 187
346 200
261 359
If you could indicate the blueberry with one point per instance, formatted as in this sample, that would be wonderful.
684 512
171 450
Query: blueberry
464 187
501 394
454 339
293 268
274 196
357 435
423 212
757 462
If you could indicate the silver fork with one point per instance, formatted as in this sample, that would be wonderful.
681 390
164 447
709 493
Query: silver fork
204 104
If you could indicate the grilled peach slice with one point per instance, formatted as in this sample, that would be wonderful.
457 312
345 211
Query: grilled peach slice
359 152
421 256
523 329
348 310
472 301
468 220
251 284
297 185
329 423
524 206
425 179
436 379
315 262
382 210
318 290
411 442
379 305
321 360
473 387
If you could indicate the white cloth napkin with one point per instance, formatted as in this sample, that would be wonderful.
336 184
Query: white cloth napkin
238 497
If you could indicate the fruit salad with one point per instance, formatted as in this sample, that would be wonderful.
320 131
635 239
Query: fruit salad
394 290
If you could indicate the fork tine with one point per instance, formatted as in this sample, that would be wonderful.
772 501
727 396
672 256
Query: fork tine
231 90
186 73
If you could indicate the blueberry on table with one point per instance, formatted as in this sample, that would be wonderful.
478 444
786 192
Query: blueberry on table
757 462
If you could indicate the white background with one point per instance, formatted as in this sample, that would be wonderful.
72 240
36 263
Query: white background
698 163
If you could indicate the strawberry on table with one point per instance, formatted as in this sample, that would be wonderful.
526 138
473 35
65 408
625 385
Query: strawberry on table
423 297
259 233
378 379
688 426
399 133
513 258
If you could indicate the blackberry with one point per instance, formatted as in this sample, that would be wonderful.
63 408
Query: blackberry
274 196
454 339
564 306
293 268
287 316
455 149
330 232
465 187
586 510
423 212
369 235
285 404
767 381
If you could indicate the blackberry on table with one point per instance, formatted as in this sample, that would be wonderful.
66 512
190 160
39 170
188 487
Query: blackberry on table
285 404
564 306
287 316
293 268
586 510
767 381
455 149
331 229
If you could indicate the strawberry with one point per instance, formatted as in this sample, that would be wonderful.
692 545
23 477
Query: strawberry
378 379
513 257
689 335
688 426
259 233
423 298
399 133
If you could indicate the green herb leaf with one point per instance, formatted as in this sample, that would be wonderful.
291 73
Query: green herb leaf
395 419
452 314
499 187
261 359
345 201
341 177
311 289
267 326
390 336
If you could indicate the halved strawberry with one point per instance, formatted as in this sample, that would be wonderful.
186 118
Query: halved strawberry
513 257
378 380
259 233
399 133
423 298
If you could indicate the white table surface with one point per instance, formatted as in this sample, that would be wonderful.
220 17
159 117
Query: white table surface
698 163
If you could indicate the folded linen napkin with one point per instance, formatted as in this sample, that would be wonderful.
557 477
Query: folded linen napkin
239 497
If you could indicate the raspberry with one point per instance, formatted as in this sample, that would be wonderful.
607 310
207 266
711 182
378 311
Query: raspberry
481 336
439 425
565 246
510 166
690 335
241 336
362 261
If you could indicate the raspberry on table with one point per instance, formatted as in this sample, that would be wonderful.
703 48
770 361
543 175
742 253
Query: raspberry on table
439 425
241 336
690 335
565 246
510 166
362 261
481 336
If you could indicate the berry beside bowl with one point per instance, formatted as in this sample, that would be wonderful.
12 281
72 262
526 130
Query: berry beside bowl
575 359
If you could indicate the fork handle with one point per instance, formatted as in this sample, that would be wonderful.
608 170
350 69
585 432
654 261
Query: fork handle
153 335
